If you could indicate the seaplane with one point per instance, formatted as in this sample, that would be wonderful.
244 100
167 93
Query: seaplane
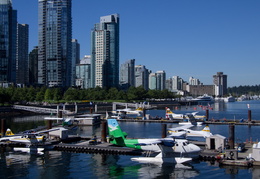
28 138
166 155
185 131
170 115
177 147
191 121
65 121
123 112
179 132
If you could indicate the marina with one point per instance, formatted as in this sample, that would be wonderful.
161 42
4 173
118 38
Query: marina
141 130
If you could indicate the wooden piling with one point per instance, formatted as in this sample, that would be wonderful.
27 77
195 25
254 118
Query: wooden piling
60 114
3 126
164 131
144 113
49 124
231 136
104 131
207 114
249 115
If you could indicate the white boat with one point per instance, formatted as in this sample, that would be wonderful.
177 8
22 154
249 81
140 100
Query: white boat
31 150
160 159
188 122
229 99
204 98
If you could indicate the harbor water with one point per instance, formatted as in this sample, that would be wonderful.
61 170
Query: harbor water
56 164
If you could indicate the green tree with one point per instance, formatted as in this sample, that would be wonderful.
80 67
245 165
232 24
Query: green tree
57 94
48 95
31 94
71 94
121 95
112 94
40 94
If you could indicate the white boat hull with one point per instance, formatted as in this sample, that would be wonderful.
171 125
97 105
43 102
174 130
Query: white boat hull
161 160
29 150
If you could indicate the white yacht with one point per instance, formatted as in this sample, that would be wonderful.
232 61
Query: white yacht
230 99
204 98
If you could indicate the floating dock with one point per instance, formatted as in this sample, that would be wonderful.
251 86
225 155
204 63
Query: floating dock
103 148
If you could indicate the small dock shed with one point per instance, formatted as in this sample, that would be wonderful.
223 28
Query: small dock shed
216 142
88 119
256 151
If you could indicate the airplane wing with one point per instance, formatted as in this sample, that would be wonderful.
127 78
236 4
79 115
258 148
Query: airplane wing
165 142
78 118
45 131
150 142
53 118
182 127
194 113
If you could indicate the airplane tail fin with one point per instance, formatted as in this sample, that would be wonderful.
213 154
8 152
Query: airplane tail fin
206 130
168 113
9 132
139 109
116 135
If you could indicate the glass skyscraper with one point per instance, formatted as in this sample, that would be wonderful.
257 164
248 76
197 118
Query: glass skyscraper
75 59
105 52
127 74
54 43
22 61
220 82
8 36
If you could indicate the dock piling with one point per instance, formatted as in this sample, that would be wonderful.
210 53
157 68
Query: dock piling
104 131
3 126
207 114
164 131
231 136
249 115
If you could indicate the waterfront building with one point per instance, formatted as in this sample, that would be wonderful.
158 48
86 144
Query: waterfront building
105 52
142 76
168 84
83 72
152 81
127 74
161 78
54 41
194 81
177 83
157 80
22 61
8 41
220 82
75 55
85 60
199 90
33 66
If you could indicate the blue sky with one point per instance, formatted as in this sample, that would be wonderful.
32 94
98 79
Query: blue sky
186 38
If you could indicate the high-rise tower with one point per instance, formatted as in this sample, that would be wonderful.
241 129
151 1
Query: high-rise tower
22 59
105 52
220 82
127 74
8 36
54 43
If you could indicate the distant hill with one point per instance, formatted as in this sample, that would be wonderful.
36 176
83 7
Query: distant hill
240 90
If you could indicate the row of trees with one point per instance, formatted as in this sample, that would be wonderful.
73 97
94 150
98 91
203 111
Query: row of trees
31 94
246 90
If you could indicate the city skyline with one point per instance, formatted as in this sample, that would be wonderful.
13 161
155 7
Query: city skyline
191 38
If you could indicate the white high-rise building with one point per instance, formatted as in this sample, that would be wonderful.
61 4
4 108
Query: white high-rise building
105 52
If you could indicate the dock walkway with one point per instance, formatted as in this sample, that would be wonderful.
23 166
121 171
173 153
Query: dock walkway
105 148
